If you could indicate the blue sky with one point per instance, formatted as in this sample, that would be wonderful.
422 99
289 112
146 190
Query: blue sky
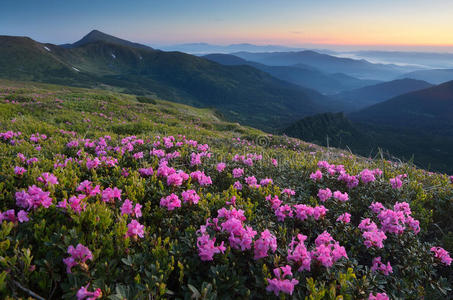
384 23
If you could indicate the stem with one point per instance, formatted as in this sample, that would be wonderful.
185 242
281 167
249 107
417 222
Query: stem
31 293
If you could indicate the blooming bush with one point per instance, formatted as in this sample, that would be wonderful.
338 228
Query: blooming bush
109 206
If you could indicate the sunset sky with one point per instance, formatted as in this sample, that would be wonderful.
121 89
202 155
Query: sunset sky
388 24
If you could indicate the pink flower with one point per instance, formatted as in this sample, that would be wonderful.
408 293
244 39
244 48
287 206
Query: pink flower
344 218
379 296
76 203
251 180
220 167
327 250
374 238
396 182
303 211
266 181
79 256
297 253
264 243
190 196
289 192
93 163
19 170
237 185
324 194
376 207
381 267
145 172
84 294
232 201
134 229
174 179
274 162
316 176
279 284
138 155
342 197
206 247
87 188
22 216
367 176
283 212
48 179
351 181
138 210
442 255
33 198
319 212
171 202
201 178
109 194
8 215
238 172
126 208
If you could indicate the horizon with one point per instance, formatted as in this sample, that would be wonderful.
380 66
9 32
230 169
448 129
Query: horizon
403 26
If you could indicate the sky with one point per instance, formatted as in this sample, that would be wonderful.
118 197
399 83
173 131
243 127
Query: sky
335 24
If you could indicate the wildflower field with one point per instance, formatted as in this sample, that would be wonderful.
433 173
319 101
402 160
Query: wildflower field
112 196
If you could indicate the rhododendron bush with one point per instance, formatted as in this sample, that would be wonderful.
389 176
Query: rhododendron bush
105 197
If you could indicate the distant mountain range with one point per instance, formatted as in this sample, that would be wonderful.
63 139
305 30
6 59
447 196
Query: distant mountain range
436 76
242 93
373 94
429 60
302 75
205 48
429 110
361 69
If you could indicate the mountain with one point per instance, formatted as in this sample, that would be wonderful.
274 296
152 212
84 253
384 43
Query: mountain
370 95
302 75
98 36
431 60
329 64
426 149
436 76
428 110
242 93
205 48
24 59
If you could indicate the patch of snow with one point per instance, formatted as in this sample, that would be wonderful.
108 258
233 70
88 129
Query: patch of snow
113 55
76 69
45 47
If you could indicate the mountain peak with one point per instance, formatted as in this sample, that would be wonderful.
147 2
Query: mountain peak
98 36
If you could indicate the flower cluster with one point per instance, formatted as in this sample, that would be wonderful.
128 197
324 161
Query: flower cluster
281 283
79 255
441 254
33 198
379 266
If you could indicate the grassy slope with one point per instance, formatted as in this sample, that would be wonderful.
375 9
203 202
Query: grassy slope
39 109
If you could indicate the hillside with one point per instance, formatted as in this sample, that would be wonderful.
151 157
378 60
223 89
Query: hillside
370 95
428 110
429 150
243 94
436 76
361 69
124 197
302 75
